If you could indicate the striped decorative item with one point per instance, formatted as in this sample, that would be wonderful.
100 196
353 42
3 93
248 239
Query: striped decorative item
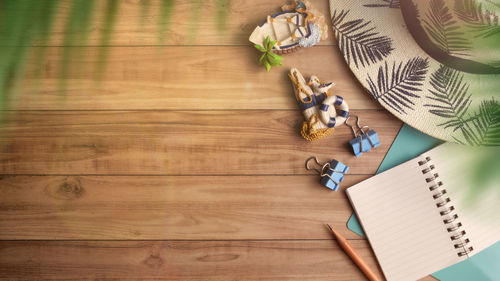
298 25
321 110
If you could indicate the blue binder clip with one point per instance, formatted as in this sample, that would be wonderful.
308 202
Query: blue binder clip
371 136
363 141
356 143
332 173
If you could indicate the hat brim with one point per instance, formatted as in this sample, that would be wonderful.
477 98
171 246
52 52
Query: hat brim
436 99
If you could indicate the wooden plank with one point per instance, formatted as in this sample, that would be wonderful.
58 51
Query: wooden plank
159 207
177 143
131 29
194 77
181 260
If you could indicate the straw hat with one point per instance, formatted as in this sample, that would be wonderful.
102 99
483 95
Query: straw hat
433 64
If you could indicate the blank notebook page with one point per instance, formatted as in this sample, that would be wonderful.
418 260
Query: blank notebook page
475 203
402 222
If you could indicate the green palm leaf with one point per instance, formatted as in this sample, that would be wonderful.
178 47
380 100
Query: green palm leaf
222 9
110 14
451 101
484 22
268 57
19 26
486 123
45 20
77 28
443 29
166 9
24 23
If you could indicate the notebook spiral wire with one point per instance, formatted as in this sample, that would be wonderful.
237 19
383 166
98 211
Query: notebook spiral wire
447 211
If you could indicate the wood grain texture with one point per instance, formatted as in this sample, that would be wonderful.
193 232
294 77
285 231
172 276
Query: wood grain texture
189 77
177 143
183 161
131 29
159 207
180 260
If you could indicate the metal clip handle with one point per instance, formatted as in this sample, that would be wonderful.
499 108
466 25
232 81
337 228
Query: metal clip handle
324 167
317 162
354 132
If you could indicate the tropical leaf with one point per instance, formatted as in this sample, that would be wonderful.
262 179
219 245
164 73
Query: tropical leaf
450 96
145 4
359 42
397 87
259 47
223 7
451 101
484 22
268 58
486 123
28 23
12 27
45 19
267 65
449 93
493 3
384 3
196 6
443 29
77 29
110 14
21 23
166 10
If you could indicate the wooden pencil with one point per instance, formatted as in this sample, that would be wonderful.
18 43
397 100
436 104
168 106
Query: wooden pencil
354 256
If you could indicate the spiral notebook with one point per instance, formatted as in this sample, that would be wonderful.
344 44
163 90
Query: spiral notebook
416 216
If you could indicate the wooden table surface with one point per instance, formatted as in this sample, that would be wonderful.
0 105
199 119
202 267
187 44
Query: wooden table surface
183 162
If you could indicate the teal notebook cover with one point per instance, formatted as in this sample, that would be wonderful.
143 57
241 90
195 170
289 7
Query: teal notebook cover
408 144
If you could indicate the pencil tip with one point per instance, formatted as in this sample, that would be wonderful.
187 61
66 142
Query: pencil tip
332 230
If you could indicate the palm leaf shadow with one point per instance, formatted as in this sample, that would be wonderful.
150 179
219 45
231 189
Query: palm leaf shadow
359 42
486 123
484 22
397 87
451 101
395 4
450 93
440 25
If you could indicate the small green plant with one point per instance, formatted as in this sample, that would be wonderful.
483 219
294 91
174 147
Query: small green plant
268 58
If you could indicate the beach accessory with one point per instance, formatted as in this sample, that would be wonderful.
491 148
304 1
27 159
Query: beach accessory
297 26
433 64
332 173
364 138
321 110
